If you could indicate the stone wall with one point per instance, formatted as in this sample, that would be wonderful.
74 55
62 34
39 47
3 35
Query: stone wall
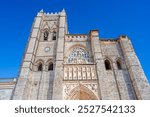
31 83
111 50
6 88
84 71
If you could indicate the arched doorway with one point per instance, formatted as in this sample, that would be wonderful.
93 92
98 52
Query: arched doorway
81 93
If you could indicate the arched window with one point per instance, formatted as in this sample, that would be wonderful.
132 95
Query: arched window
40 67
46 34
50 67
107 65
79 56
54 35
119 64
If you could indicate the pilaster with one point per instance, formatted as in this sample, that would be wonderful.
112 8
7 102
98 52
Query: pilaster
58 79
138 78
27 63
107 87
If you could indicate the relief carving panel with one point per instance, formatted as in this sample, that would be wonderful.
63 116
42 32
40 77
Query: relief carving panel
69 88
79 72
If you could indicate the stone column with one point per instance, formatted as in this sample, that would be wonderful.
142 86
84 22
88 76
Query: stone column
107 87
25 74
58 79
138 78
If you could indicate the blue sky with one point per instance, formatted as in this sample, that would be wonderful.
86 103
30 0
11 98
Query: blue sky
111 17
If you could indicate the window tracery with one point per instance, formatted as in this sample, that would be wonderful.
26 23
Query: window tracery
79 56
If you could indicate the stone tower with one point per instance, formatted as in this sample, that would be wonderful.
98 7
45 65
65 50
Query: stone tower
62 66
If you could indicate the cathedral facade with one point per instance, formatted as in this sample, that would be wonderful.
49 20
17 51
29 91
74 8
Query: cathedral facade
62 66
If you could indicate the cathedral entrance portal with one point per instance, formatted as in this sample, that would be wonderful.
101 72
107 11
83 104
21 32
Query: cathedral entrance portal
80 80
81 93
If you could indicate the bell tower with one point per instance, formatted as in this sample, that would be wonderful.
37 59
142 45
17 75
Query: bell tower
43 59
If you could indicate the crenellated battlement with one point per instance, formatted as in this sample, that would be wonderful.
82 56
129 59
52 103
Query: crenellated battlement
52 13
76 37
108 40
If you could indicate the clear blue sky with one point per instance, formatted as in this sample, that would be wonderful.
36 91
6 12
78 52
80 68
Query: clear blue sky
111 17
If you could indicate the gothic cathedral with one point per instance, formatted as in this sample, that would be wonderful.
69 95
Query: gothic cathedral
62 66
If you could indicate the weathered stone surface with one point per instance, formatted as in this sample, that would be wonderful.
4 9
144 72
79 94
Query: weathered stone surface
62 66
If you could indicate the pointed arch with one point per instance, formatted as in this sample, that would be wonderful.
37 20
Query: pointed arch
78 55
81 93
54 26
54 35
107 64
84 55
46 26
50 66
40 67
118 62
46 35
75 46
